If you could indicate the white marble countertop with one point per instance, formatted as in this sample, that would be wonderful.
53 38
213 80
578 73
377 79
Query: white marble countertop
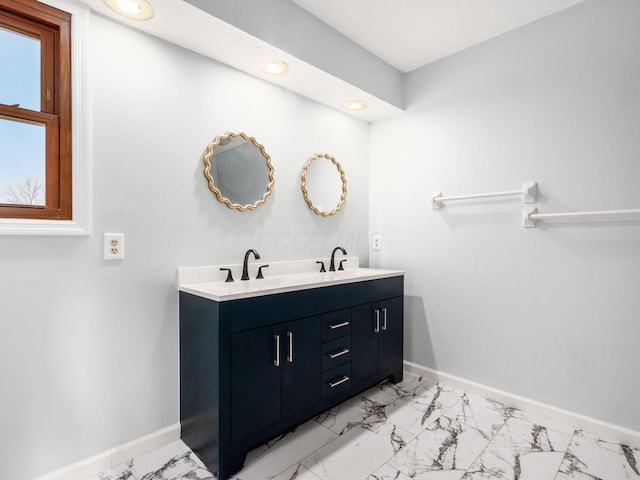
209 282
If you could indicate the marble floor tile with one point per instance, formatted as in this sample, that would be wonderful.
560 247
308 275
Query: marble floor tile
538 420
411 388
518 466
414 430
429 402
369 409
120 472
520 434
454 440
387 392
412 406
354 412
296 472
356 454
172 462
387 472
590 458
522 449
270 460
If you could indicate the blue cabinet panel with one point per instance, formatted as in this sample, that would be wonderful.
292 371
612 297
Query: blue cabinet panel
251 369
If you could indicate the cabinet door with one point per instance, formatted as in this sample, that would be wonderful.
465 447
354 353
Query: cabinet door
391 333
301 365
255 381
364 342
376 338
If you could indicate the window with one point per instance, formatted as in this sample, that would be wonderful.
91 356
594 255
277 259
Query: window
35 111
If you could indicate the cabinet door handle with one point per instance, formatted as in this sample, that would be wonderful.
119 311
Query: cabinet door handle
290 356
338 354
384 318
338 382
338 325
276 360
377 327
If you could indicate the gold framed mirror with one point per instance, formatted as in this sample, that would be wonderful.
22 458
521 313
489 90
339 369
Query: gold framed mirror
324 184
239 171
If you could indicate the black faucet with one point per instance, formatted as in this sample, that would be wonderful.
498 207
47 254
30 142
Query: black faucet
332 265
245 266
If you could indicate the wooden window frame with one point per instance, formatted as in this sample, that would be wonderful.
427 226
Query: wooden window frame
53 28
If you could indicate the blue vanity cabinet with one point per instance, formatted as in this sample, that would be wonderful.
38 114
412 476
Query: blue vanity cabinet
252 375
391 333
253 368
301 361
275 373
336 352
377 331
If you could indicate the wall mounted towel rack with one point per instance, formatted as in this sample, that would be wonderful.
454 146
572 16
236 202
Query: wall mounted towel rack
528 192
531 216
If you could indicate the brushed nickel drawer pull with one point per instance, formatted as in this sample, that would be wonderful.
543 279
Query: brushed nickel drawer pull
338 325
338 354
276 361
376 329
384 318
290 356
339 382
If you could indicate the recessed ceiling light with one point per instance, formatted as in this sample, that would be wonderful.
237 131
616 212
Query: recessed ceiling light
355 105
133 9
274 67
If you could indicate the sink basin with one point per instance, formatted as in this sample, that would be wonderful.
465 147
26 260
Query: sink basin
207 282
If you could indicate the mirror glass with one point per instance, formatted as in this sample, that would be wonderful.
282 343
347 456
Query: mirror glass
239 171
324 185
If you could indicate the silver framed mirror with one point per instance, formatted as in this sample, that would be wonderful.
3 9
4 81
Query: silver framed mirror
324 184
239 171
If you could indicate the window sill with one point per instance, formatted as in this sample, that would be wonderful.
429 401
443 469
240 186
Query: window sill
10 226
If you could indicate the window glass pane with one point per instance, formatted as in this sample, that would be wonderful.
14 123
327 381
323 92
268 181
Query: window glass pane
20 67
22 162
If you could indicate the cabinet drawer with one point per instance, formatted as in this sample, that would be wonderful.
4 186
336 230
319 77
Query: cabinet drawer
336 380
336 324
336 352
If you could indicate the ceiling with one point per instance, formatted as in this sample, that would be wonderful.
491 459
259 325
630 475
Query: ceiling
336 49
409 34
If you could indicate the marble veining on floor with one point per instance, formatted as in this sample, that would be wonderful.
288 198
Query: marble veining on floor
416 430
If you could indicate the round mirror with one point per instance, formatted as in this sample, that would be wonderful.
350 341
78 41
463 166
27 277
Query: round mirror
324 185
238 170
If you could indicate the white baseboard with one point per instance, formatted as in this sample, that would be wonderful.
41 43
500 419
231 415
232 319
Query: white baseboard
606 431
115 456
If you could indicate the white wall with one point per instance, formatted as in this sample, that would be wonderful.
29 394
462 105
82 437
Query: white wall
550 313
89 349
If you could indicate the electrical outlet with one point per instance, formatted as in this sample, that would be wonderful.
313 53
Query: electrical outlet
114 246
376 243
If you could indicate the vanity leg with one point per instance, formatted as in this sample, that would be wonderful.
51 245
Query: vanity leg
396 375
232 463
